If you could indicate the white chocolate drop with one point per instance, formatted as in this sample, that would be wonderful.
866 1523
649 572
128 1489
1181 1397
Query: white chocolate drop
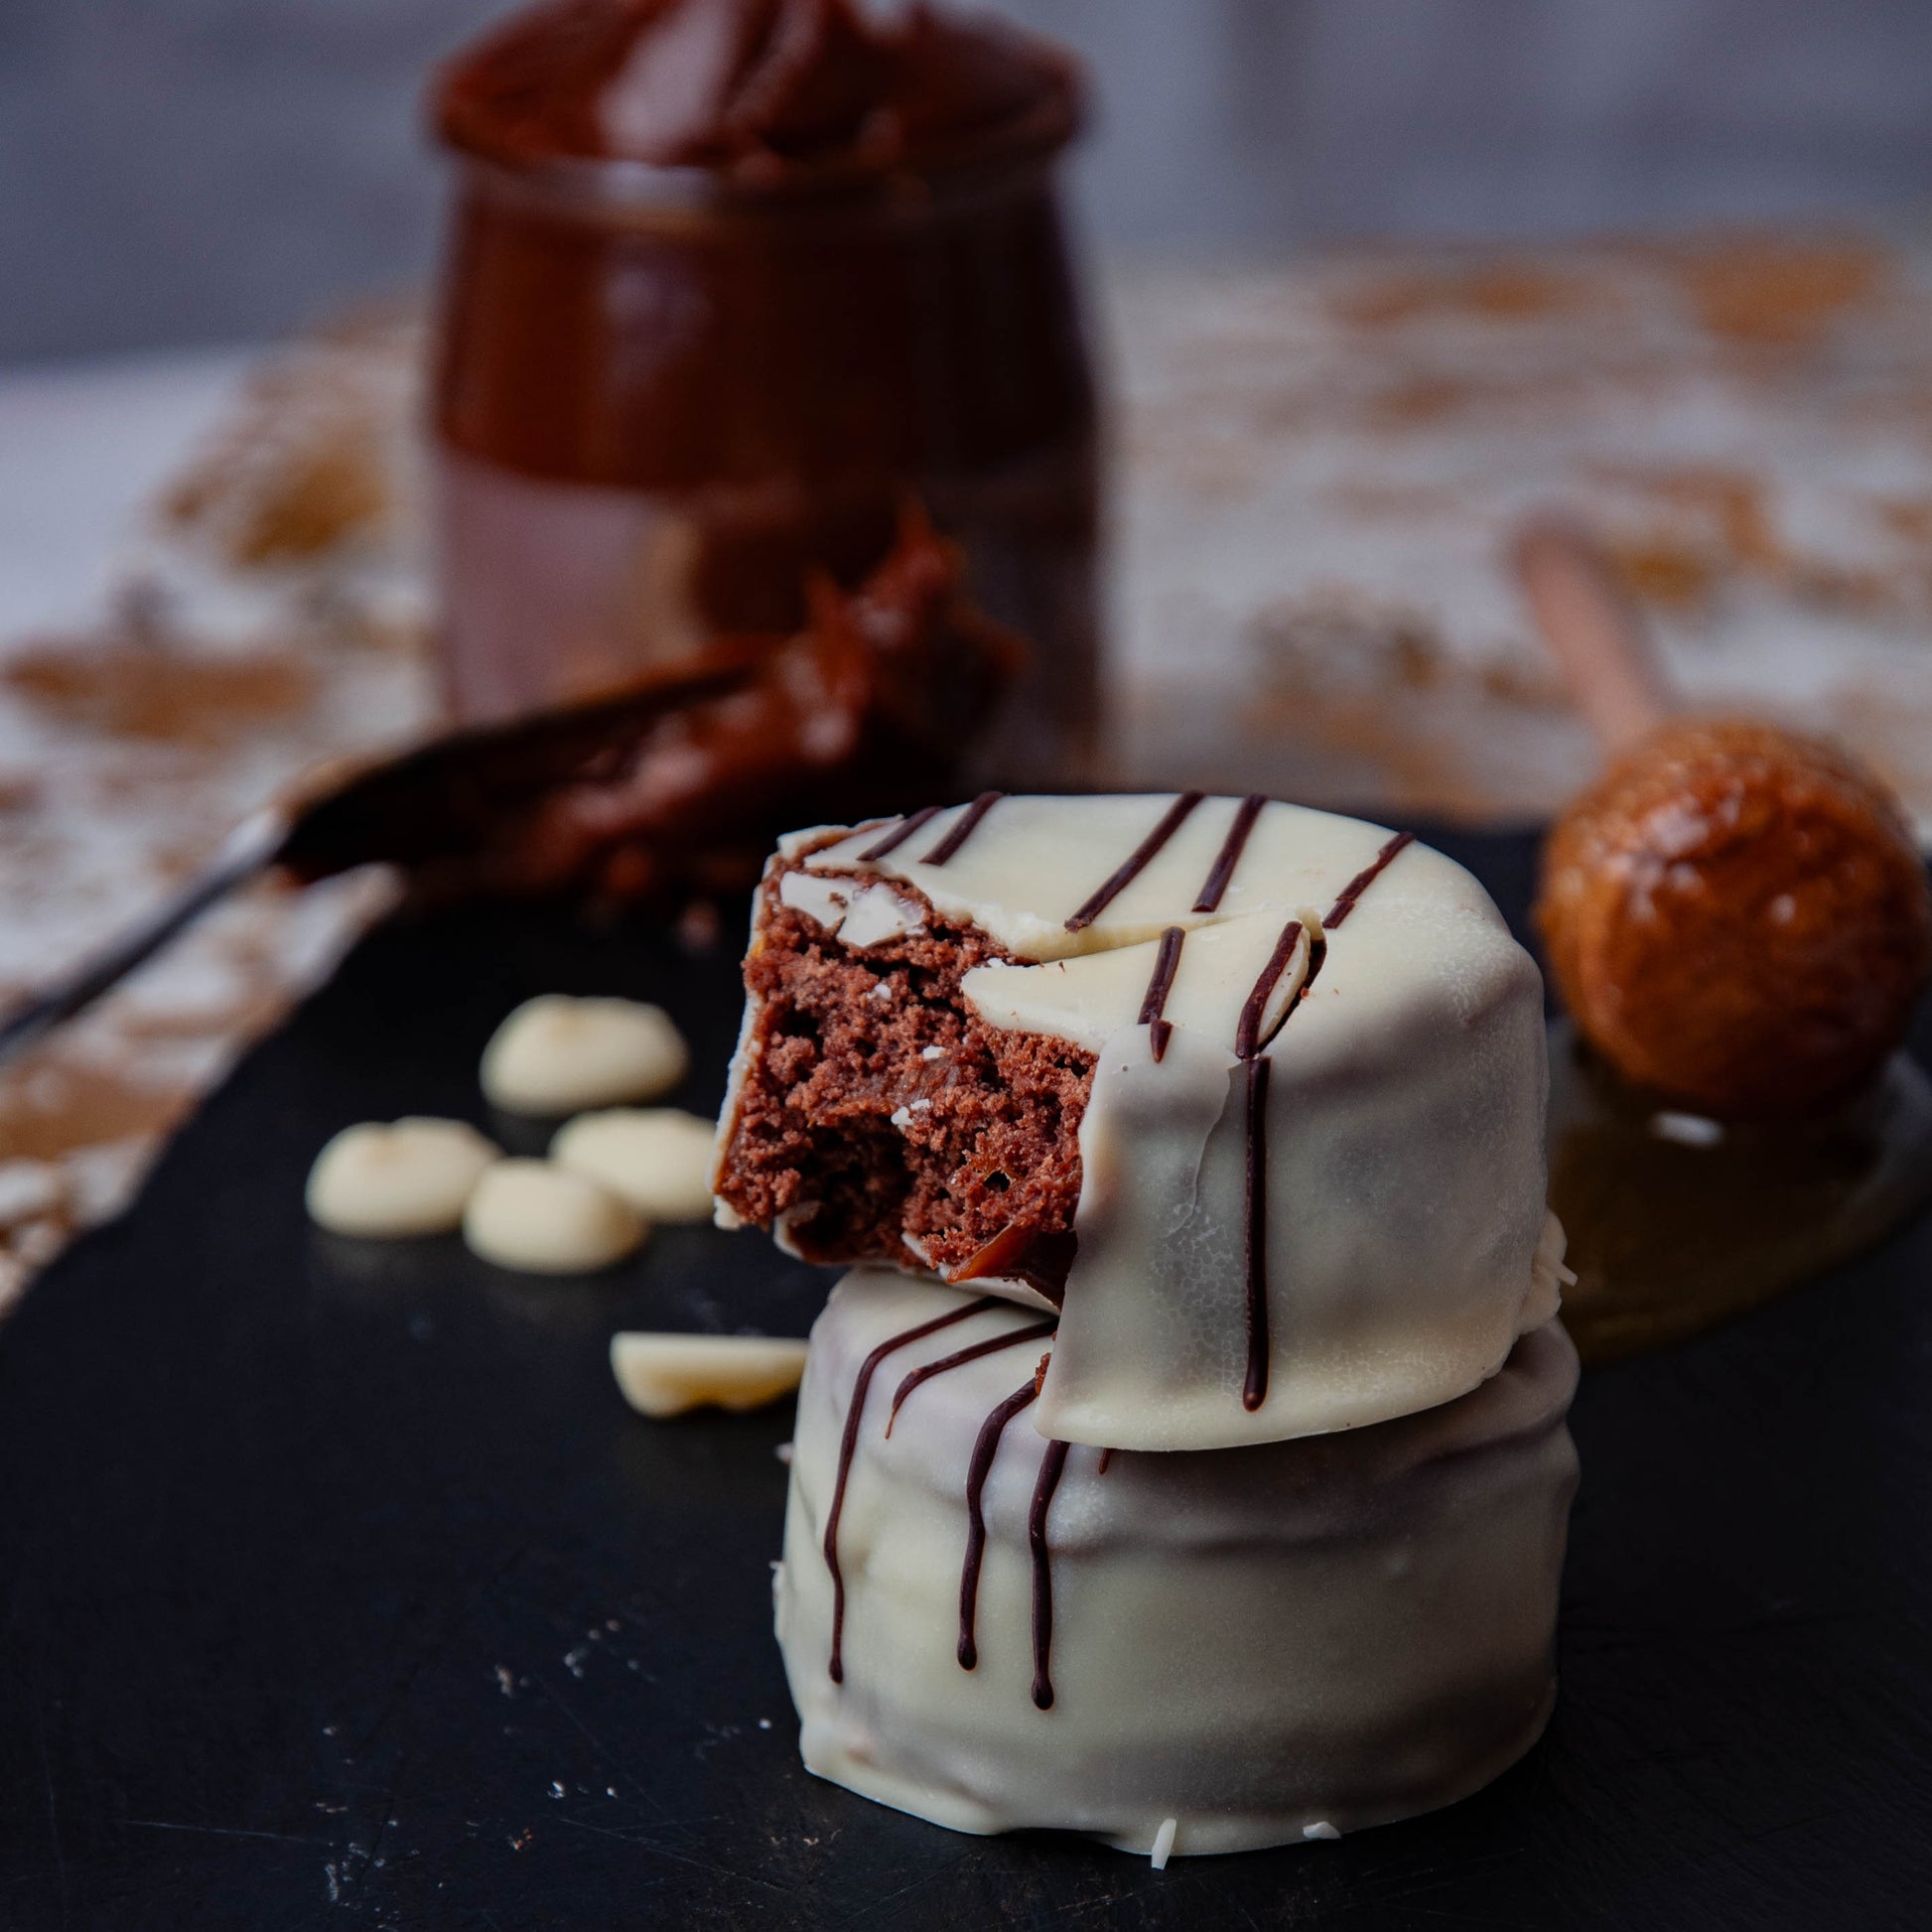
556 1054
665 1375
397 1181
543 1220
659 1159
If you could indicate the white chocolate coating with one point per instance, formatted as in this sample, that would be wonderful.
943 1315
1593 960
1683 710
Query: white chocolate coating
1262 1644
542 1219
659 1159
556 1054
664 1375
392 1182
1404 1181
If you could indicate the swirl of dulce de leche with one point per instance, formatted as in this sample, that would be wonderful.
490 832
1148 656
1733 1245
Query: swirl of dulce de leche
760 95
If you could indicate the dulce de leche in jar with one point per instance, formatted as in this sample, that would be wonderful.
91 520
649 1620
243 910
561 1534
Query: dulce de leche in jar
731 283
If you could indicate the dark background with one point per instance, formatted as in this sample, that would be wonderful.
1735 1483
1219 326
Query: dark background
195 171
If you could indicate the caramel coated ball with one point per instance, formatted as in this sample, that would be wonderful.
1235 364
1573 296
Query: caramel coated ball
1737 918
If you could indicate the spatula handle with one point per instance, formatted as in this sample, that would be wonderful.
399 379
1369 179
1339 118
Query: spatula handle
1595 632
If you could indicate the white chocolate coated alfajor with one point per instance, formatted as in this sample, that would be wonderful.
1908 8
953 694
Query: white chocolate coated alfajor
1313 1182
1262 1644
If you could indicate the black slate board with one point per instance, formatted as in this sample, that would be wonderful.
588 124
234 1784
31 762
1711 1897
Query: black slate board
339 1588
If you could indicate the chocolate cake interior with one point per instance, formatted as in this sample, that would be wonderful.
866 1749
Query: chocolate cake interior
881 1119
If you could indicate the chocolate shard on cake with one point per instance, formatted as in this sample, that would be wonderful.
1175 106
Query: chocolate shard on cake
1193 1653
1251 1094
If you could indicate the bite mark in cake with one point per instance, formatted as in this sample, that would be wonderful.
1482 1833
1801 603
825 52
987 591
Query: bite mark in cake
885 1119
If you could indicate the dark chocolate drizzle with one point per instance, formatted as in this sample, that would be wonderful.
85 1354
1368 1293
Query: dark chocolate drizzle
849 1441
1318 958
1364 880
899 833
1136 862
963 828
1248 1044
959 1359
1222 872
1253 1389
986 1446
1154 1007
1247 1028
1050 1466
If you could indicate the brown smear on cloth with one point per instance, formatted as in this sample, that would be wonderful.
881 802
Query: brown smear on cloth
53 1105
1755 290
1779 292
321 495
145 691
1494 291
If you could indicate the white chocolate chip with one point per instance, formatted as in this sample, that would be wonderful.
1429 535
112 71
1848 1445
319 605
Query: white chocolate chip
664 1375
878 912
1164 1844
822 901
862 912
559 1056
657 1159
412 1177
547 1220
